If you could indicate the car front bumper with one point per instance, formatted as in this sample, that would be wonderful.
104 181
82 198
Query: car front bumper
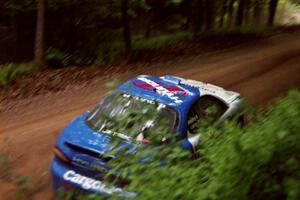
66 177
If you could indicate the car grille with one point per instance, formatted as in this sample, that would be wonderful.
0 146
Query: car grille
88 152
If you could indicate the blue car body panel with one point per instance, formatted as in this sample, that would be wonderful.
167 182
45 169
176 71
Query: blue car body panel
187 94
77 138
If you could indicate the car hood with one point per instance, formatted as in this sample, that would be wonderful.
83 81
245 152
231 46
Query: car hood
79 134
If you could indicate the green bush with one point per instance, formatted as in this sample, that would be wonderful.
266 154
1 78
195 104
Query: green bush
113 52
10 72
142 46
260 161
159 42
248 32
57 58
110 52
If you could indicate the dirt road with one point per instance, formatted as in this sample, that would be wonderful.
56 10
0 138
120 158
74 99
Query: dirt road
260 72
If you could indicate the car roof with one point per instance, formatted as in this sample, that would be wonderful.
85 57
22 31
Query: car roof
161 89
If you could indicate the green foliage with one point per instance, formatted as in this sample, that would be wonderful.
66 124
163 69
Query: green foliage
57 58
24 185
142 47
236 32
158 42
112 84
139 5
15 6
5 166
296 2
176 2
260 161
81 29
109 52
22 189
10 72
113 52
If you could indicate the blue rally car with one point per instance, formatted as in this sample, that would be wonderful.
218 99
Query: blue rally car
81 155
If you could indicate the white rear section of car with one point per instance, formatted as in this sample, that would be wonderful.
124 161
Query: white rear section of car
213 90
208 89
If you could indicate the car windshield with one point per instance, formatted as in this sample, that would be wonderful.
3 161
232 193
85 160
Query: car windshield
129 115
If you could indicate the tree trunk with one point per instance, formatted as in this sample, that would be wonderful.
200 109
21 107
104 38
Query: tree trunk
230 13
187 14
195 16
14 33
257 13
149 25
247 11
39 35
240 13
210 16
272 12
223 12
189 23
126 26
71 31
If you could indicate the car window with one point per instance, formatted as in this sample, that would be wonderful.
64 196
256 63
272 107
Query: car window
205 111
118 106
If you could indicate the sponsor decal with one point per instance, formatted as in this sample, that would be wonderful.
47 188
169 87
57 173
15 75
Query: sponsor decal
144 100
139 99
88 183
164 89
